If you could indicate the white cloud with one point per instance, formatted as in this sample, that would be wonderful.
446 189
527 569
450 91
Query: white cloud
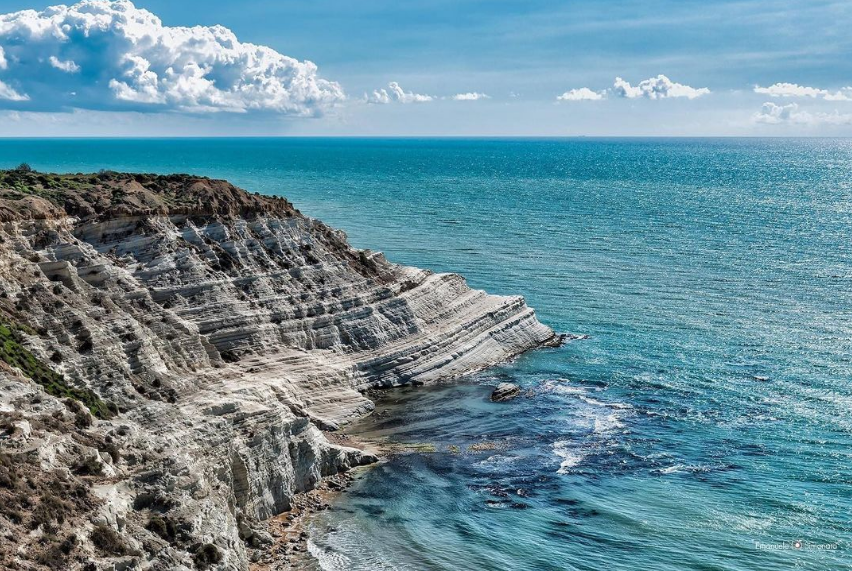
407 96
133 61
796 90
395 93
378 97
66 66
9 94
660 87
843 94
789 90
582 94
790 114
775 114
472 96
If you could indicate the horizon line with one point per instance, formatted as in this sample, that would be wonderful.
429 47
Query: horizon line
403 137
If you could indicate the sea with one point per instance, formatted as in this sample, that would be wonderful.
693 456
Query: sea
705 422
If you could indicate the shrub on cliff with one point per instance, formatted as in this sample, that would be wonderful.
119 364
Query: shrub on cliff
14 354
109 542
88 466
50 510
206 555
8 472
55 554
164 527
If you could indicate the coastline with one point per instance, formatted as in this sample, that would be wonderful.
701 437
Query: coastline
249 333
288 529
289 548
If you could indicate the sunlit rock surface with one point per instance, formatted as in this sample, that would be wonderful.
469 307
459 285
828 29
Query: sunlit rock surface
224 331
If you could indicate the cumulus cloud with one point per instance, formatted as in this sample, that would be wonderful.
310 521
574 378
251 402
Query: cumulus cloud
790 114
775 114
472 96
796 90
660 87
582 94
378 97
396 93
843 94
112 55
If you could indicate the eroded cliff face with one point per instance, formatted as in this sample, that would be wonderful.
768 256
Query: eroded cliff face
216 334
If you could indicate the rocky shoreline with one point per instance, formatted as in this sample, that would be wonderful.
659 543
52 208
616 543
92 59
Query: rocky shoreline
288 549
288 546
177 354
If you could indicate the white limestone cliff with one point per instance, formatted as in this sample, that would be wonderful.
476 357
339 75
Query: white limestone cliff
228 335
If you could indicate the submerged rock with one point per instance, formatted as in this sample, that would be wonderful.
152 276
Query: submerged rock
504 392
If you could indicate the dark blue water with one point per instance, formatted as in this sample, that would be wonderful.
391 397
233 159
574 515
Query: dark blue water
705 422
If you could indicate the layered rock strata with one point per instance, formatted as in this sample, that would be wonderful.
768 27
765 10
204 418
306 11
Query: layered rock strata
215 335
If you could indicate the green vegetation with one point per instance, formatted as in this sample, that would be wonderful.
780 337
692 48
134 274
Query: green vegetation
109 542
88 466
165 527
99 194
13 353
24 181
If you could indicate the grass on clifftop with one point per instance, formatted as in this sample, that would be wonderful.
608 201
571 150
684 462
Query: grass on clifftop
108 193
23 181
13 353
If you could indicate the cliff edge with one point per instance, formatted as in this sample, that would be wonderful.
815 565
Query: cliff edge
173 348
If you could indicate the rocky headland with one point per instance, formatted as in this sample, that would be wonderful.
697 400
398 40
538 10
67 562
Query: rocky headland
176 354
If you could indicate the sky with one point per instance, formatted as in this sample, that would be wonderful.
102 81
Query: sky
426 68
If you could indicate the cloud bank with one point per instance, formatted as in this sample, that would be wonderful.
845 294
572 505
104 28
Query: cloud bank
110 55
660 87
790 114
395 93
796 90
582 94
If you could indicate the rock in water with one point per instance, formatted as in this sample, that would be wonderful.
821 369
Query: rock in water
505 391
175 345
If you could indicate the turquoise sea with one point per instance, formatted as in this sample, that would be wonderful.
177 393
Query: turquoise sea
706 423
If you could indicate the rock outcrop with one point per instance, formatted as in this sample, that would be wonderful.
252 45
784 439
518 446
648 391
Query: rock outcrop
504 392
175 348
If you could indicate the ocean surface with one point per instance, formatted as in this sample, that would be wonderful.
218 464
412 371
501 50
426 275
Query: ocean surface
706 423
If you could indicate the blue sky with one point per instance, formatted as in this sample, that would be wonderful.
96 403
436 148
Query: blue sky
434 67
